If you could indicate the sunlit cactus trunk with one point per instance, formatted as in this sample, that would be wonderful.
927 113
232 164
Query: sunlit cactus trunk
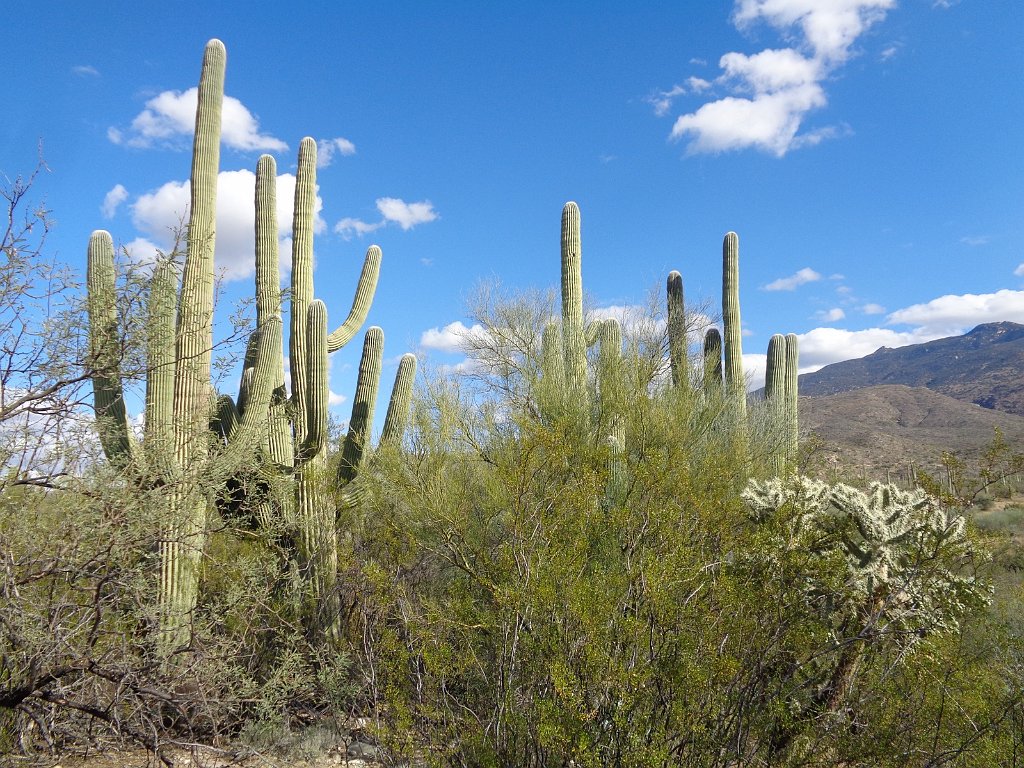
792 398
734 379
574 343
677 341
775 393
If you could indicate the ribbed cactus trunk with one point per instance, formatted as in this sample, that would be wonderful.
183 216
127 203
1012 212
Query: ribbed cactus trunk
397 418
775 390
713 363
677 342
182 544
792 398
734 379
574 342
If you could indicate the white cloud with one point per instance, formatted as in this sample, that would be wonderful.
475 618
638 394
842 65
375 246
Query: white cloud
794 281
349 227
406 215
889 52
1019 271
822 346
975 240
754 366
392 210
112 200
954 314
172 114
873 309
334 399
829 27
831 315
774 90
326 149
770 70
769 121
452 338
662 100
85 70
157 214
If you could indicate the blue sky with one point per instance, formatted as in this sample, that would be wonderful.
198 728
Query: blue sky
868 152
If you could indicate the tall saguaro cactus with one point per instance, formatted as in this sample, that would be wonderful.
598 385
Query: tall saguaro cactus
290 433
179 392
574 342
734 380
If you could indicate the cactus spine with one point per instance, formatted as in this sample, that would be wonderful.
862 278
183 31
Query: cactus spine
734 381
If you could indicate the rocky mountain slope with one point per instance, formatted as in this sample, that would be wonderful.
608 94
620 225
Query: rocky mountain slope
984 367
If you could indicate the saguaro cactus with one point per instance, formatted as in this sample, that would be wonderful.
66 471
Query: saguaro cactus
792 396
677 341
179 393
177 450
574 343
734 380
775 391
712 362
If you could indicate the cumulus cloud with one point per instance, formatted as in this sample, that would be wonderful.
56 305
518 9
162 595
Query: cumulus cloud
171 115
406 215
334 399
1019 271
822 346
831 315
393 210
159 213
326 149
452 338
770 93
112 200
953 314
349 227
794 281
873 309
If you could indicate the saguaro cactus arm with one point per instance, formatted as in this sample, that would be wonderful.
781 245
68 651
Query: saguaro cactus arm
397 417
360 302
363 406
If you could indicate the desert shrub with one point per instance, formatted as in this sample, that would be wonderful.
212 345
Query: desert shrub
529 595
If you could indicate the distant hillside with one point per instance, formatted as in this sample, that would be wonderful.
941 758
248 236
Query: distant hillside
985 367
886 427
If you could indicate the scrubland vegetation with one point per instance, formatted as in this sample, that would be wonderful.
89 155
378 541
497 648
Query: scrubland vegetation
583 548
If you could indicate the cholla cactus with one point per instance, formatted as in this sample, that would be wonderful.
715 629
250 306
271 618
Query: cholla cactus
902 549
